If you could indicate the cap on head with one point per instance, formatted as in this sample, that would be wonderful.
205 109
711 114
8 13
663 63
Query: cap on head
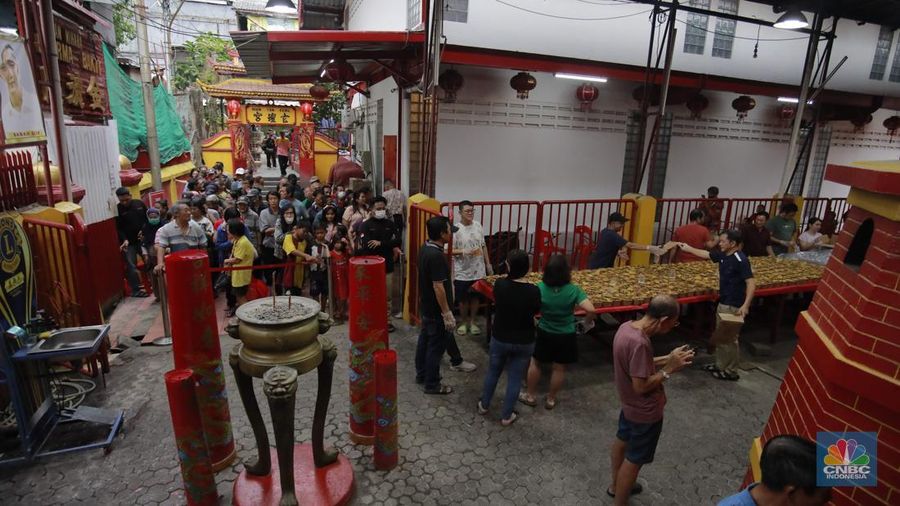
240 172
314 179
243 200
212 199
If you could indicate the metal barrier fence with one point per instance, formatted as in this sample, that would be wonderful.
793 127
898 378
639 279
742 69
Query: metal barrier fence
738 211
418 216
17 185
572 228
60 271
507 225
671 214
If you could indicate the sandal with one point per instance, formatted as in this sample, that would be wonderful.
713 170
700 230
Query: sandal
636 489
511 420
441 390
710 368
481 409
527 400
140 294
725 375
549 403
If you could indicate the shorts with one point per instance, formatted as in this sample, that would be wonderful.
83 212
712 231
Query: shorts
640 439
240 291
462 290
318 283
555 348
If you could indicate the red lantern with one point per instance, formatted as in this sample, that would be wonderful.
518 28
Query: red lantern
742 104
892 124
233 107
450 81
339 71
786 113
860 121
318 92
306 108
586 94
523 82
697 104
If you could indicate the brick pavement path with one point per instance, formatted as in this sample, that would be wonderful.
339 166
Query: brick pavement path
449 454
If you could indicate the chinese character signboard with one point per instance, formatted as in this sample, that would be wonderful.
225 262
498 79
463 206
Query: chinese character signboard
81 70
270 115
20 110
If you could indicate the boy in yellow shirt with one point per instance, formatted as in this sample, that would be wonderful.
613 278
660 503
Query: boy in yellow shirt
242 255
296 246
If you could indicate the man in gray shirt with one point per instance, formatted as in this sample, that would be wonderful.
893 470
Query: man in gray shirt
179 234
268 220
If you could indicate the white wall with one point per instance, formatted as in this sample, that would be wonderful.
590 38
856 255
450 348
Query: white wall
848 146
376 15
589 35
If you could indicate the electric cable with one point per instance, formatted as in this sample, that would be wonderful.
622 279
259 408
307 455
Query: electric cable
569 17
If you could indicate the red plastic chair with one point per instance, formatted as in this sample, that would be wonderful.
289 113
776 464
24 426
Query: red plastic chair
545 247
584 246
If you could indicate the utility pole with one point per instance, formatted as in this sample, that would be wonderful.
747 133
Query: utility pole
140 16
168 19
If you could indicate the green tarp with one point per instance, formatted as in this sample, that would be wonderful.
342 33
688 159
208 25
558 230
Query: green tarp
127 104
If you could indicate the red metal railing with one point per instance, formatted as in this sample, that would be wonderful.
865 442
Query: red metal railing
671 214
418 216
17 185
572 228
737 211
57 271
507 225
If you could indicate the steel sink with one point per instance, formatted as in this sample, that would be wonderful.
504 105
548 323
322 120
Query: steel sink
71 339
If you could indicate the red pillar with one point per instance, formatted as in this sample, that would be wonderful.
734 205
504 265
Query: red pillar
196 468
386 455
368 334
306 144
195 345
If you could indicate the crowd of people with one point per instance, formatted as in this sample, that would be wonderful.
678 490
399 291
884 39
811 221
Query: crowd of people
306 232
534 328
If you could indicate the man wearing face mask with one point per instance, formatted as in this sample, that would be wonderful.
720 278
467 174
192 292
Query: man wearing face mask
148 238
378 236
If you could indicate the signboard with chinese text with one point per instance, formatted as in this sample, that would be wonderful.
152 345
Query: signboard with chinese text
270 115
81 70
20 110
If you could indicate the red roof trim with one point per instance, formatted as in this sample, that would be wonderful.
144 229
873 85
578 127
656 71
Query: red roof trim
865 179
344 36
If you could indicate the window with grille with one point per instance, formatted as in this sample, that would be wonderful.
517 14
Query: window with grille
695 35
413 13
895 66
456 10
882 51
723 39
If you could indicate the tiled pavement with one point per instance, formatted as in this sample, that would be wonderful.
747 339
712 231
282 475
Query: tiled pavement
449 454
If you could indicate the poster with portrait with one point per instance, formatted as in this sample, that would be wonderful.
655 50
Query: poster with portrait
20 110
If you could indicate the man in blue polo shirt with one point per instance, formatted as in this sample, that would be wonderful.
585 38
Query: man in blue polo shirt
736 287
612 244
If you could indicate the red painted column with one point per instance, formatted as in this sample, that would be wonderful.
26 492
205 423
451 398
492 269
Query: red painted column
195 345
368 334
386 454
306 147
196 468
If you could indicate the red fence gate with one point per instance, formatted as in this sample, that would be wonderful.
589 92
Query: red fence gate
418 216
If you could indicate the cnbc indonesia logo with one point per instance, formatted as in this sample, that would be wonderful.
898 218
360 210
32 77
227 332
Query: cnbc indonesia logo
847 459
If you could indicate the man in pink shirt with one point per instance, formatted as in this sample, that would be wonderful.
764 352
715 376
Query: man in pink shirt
640 387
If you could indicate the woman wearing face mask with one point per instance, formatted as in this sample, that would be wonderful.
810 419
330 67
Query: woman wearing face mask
148 239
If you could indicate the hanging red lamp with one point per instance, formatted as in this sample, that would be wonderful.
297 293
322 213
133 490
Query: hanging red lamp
523 82
892 124
587 94
318 91
339 71
451 82
786 113
742 105
697 104
233 108
306 108
860 122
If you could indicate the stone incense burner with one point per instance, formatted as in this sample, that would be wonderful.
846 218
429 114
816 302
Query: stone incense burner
279 341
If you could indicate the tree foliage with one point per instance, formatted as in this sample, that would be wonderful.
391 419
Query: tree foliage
200 54
331 108
123 22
